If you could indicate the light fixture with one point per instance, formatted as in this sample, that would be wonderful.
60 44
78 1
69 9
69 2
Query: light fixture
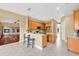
51 17
29 9
67 3
58 7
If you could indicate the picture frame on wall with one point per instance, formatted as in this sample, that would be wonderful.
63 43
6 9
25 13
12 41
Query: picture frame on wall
6 30
13 30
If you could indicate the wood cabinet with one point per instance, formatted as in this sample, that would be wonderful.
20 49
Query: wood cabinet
76 17
51 38
32 24
44 41
51 26
42 26
73 44
48 24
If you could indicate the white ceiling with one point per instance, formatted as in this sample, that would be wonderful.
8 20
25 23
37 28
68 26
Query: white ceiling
42 11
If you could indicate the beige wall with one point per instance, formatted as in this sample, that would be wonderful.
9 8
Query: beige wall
22 20
67 26
53 26
10 24
23 27
8 14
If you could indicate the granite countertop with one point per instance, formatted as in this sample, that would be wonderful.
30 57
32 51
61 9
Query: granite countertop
50 33
73 36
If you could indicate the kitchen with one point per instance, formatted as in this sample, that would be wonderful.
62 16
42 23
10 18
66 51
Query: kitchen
43 32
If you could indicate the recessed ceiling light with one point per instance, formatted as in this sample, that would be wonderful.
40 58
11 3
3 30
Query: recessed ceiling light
58 7
51 17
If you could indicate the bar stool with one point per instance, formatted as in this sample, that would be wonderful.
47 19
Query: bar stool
29 41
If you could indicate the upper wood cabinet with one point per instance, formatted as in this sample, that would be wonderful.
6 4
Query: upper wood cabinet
48 24
76 17
51 26
42 25
34 24
31 24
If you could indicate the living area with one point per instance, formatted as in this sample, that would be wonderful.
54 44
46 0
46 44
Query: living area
44 24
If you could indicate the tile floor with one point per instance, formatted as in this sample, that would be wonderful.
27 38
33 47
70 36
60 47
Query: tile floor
18 49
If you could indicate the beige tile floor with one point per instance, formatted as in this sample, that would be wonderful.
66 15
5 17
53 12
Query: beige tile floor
18 49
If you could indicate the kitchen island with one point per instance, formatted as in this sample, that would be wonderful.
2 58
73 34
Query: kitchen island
40 40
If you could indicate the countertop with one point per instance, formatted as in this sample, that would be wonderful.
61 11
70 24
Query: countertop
50 33
73 36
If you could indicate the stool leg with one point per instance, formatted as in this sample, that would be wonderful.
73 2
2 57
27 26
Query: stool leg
24 41
32 43
27 43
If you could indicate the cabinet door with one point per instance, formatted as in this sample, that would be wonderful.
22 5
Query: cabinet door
73 44
32 24
76 16
51 38
44 41
42 26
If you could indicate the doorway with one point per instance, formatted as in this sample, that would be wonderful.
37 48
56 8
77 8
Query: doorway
58 32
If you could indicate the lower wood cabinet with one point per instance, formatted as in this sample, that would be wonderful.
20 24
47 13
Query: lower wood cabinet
73 44
51 38
44 41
